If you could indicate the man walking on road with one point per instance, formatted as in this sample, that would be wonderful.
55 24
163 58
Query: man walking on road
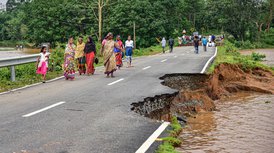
196 44
204 42
163 44
171 44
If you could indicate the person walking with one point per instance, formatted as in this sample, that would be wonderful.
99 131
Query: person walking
196 44
69 66
163 44
118 52
171 44
129 45
108 54
80 57
90 52
204 42
42 63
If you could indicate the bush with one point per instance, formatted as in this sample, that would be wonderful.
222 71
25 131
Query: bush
257 56
166 148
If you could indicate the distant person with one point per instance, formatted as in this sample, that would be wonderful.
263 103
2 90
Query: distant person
42 63
180 41
171 44
209 38
109 57
200 37
213 38
17 47
69 66
211 44
118 52
129 45
204 42
163 42
80 56
196 44
21 47
90 52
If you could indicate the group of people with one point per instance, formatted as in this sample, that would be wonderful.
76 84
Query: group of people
84 55
210 42
170 44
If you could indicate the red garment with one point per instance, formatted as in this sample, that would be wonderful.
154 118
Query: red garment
90 60
119 61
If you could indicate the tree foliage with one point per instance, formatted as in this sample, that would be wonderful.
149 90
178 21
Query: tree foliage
54 21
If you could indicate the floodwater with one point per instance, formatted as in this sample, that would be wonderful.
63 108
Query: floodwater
14 53
269 53
242 125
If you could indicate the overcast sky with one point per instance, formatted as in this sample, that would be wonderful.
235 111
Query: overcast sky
3 1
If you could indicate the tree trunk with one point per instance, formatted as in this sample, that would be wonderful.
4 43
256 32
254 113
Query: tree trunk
100 21
270 16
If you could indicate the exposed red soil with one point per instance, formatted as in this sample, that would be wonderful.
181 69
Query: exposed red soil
225 80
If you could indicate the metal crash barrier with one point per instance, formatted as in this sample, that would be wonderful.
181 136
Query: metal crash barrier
19 60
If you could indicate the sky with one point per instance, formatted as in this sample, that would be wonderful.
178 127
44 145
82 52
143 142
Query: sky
3 1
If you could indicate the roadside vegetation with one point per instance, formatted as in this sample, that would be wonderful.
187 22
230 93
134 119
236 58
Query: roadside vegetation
229 53
170 142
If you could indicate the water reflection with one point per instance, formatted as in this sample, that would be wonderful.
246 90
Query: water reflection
242 125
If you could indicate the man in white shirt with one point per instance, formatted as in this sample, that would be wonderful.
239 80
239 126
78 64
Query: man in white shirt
129 45
163 44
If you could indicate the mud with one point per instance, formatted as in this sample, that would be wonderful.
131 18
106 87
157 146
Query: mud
197 92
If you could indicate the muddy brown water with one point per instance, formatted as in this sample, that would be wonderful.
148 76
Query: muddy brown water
243 124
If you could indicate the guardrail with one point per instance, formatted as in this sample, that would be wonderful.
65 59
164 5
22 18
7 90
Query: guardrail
19 60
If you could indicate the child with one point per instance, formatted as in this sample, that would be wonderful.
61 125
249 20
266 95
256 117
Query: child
42 63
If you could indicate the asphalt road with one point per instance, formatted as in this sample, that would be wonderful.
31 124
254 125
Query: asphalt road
94 115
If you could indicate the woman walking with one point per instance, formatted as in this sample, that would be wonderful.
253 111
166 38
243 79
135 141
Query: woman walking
90 51
42 63
69 66
118 52
129 45
108 54
80 57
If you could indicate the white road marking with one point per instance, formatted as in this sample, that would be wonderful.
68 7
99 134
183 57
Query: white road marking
115 82
146 67
145 146
164 60
175 56
210 60
44 109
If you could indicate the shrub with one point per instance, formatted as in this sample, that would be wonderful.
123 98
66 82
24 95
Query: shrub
257 56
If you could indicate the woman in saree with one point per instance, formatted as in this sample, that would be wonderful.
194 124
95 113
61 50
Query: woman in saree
90 52
69 66
118 53
80 57
108 54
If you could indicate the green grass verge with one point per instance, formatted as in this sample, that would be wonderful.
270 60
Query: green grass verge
228 53
170 142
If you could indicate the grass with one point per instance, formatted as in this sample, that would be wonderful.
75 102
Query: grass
228 53
170 142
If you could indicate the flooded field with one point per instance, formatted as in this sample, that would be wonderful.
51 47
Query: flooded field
269 53
241 125
10 52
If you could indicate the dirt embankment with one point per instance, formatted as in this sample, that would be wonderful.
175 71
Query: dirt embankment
197 92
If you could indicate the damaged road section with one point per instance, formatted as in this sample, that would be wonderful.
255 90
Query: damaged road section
197 92
189 98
